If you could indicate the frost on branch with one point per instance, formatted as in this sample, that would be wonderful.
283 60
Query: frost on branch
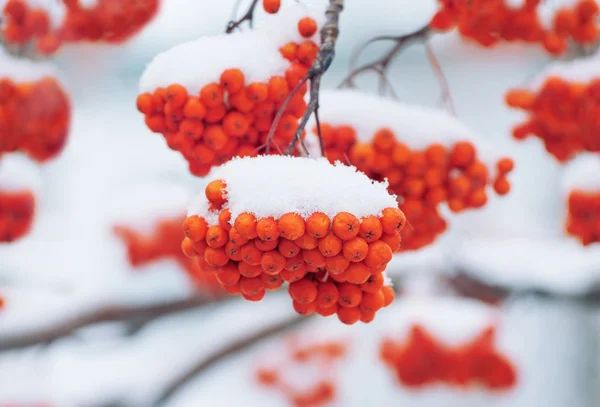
563 108
554 25
18 184
306 375
327 230
582 189
215 98
428 157
47 24
35 111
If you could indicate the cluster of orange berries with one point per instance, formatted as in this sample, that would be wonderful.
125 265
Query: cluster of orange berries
34 117
232 118
321 355
16 214
564 115
583 220
490 21
422 360
112 21
164 243
422 179
334 266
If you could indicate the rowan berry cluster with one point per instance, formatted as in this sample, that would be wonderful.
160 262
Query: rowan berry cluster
16 214
422 360
563 114
489 21
583 221
112 21
334 266
164 243
320 356
34 117
423 179
232 117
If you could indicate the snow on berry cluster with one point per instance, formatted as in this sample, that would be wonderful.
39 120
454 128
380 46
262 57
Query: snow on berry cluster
225 107
421 360
562 108
582 190
305 376
490 21
327 230
48 24
18 184
428 157
35 110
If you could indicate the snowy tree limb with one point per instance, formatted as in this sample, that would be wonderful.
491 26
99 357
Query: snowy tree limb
137 315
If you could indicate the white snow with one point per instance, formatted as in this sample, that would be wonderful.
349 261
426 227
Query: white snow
582 173
581 70
22 69
275 185
197 63
18 173
559 265
413 125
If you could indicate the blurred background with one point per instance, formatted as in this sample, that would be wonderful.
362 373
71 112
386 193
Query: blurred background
83 325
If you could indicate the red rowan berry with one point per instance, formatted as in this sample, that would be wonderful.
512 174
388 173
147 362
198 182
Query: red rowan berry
232 80
357 273
273 262
272 282
314 258
215 257
215 137
306 242
462 154
176 95
370 229
145 103
245 224
304 308
293 275
307 27
327 294
373 284
355 249
271 6
345 225
372 302
330 245
194 109
187 247
326 311
350 295
251 254
318 224
256 297
366 316
266 229
233 251
379 254
228 274
392 220
388 295
236 237
211 95
224 219
291 226
337 264
257 92
288 51
349 316
216 237
248 270
294 263
215 192
303 291
505 165
251 286
195 228
287 248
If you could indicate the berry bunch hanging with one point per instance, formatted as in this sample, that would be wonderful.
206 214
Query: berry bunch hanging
227 108
421 360
327 230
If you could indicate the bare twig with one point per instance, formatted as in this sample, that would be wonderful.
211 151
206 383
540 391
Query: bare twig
206 362
248 16
437 68
329 35
137 315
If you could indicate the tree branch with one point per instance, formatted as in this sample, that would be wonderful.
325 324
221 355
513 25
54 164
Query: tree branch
137 315
248 16
202 365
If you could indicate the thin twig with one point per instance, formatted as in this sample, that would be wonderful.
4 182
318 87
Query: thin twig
248 16
437 68
329 35
206 362
138 315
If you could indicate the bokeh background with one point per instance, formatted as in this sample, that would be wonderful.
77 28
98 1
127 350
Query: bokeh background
114 171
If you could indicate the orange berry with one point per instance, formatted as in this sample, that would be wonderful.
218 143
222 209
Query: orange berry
287 248
293 275
271 6
349 316
337 264
236 237
306 242
326 311
195 228
256 297
233 289
370 229
257 92
266 245
373 284
278 89
327 294
392 220
520 98
400 154
307 27
145 103
232 80
194 109
224 218
330 245
355 249
362 155
215 137
357 273
366 316
215 257
233 251
187 247
379 254
314 258
478 198
251 254
177 95
303 291
294 263
235 124
345 225
436 154
291 226
211 95
266 229
384 140
245 224
251 286
272 282
304 309
502 186
372 302
228 274
248 270
317 225
288 51
462 154
505 165
272 262
388 295
215 192
307 52
216 237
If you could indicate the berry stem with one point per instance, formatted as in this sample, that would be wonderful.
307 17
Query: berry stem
248 16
